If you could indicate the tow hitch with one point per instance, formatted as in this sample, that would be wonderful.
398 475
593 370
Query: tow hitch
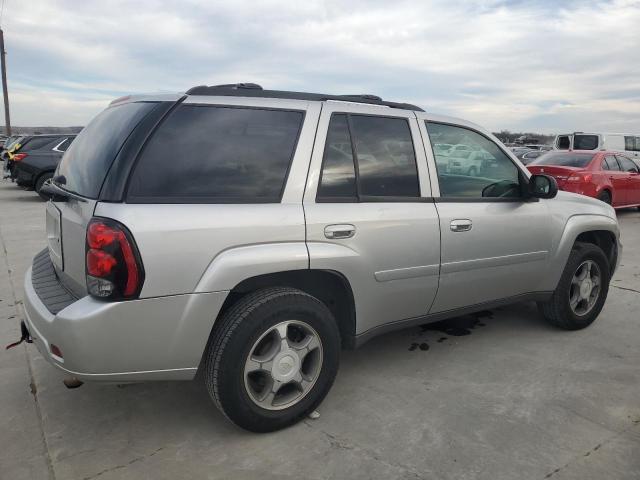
72 382
25 336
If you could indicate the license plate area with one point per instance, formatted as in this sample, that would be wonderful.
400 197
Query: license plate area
54 235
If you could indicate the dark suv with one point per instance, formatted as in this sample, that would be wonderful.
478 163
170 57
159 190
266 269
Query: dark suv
37 158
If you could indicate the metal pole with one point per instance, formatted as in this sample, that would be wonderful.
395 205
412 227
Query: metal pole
5 91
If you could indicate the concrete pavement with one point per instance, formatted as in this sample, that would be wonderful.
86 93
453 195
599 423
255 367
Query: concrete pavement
496 396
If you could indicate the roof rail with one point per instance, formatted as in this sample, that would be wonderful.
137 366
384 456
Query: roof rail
255 90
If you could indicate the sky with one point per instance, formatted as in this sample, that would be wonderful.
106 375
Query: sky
545 66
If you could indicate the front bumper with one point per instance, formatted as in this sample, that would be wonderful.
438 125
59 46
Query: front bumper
160 338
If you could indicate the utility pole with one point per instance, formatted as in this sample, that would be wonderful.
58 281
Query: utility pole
4 85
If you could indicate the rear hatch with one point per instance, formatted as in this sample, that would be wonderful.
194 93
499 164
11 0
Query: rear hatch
82 172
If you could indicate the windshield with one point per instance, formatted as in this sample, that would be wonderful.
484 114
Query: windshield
87 160
564 159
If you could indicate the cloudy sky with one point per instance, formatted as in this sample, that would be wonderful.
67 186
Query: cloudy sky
543 66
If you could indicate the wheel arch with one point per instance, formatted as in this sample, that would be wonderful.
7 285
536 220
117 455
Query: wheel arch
600 230
329 286
40 175
604 239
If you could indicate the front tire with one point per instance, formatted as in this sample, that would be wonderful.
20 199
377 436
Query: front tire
582 290
273 358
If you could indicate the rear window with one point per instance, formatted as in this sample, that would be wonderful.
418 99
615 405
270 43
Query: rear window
212 154
585 142
37 143
564 159
86 162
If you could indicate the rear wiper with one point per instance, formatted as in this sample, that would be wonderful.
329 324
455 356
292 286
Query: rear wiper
57 193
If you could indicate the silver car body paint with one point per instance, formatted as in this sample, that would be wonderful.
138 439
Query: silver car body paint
402 262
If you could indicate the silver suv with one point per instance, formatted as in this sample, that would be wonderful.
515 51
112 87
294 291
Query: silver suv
250 234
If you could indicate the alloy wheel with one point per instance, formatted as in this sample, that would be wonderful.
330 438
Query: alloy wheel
283 365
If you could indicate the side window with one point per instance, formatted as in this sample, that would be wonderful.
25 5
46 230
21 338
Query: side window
629 143
36 143
610 164
585 142
563 143
627 165
385 157
216 154
338 177
486 172
385 161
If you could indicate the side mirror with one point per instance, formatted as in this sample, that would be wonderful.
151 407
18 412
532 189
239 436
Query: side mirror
542 186
50 191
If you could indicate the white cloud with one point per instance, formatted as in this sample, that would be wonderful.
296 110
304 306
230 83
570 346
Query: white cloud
503 64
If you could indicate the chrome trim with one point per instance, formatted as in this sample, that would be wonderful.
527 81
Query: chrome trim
56 148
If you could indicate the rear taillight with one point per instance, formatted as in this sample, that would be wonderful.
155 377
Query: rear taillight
113 265
18 157
585 177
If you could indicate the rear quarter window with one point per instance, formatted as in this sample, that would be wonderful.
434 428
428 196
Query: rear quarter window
87 160
215 154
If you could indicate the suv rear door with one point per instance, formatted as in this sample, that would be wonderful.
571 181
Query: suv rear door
495 243
369 212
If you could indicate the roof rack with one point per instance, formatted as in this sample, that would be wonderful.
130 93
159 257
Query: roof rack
255 90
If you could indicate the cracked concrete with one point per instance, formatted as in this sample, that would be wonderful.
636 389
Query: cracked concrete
513 399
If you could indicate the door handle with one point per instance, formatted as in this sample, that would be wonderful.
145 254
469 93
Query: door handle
462 225
339 231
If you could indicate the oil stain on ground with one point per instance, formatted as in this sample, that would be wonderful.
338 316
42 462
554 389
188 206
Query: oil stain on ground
455 327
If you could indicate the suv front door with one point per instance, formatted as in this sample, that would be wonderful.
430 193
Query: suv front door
369 212
495 242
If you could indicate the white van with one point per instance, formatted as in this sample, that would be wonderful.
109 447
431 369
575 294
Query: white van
620 142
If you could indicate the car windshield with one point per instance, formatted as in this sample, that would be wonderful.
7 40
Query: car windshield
564 159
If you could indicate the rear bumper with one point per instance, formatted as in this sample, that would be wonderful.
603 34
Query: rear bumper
159 338
24 175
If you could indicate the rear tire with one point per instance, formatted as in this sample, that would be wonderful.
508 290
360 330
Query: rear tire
575 304
473 172
40 182
263 345
605 197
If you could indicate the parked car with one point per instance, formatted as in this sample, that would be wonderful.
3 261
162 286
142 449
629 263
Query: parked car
530 156
10 145
36 160
607 176
442 148
519 152
244 242
471 163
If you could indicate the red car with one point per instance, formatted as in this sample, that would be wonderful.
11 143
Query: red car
608 176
